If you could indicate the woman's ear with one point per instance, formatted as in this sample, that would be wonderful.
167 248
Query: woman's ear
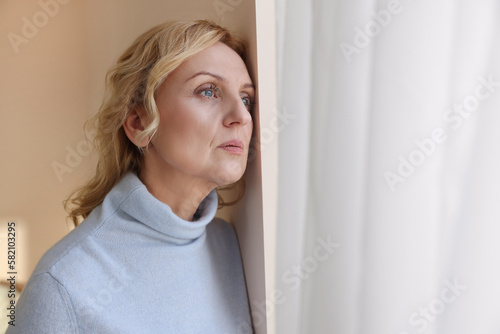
134 124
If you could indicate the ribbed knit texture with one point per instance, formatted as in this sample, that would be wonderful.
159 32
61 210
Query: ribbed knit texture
133 266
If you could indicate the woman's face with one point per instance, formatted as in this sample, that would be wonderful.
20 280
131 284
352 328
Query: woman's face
205 118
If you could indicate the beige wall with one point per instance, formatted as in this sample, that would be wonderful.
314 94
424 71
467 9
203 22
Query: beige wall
45 99
52 81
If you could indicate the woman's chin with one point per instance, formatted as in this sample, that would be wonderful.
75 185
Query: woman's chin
227 181
228 174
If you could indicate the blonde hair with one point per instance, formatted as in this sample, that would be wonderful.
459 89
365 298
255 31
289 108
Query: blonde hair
132 83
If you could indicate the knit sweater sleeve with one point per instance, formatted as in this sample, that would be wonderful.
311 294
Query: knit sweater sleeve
44 307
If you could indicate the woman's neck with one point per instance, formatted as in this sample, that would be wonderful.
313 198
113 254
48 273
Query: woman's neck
182 193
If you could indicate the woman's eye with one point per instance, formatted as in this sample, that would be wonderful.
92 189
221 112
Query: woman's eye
247 102
208 93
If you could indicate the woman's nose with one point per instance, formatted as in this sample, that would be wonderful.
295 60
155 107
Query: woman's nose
237 112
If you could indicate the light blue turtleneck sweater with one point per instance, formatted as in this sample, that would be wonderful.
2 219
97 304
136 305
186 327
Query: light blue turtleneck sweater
133 266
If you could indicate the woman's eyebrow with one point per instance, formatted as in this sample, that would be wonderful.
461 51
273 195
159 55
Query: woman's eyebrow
205 73
218 77
249 85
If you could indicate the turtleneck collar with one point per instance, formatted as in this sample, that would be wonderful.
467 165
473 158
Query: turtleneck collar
136 201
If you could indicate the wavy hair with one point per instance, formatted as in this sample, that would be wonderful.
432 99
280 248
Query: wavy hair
130 84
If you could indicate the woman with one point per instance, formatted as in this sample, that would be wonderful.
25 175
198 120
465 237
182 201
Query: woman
149 256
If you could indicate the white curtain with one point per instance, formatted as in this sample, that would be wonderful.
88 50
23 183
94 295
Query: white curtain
389 187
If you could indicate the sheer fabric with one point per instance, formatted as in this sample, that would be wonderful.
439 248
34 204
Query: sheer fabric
391 154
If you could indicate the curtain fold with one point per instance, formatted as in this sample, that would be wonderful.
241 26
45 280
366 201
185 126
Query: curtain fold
391 162
294 52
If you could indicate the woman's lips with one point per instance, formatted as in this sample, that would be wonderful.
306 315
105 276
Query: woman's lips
234 146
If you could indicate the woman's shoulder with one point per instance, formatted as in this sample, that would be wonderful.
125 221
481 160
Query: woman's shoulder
66 248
